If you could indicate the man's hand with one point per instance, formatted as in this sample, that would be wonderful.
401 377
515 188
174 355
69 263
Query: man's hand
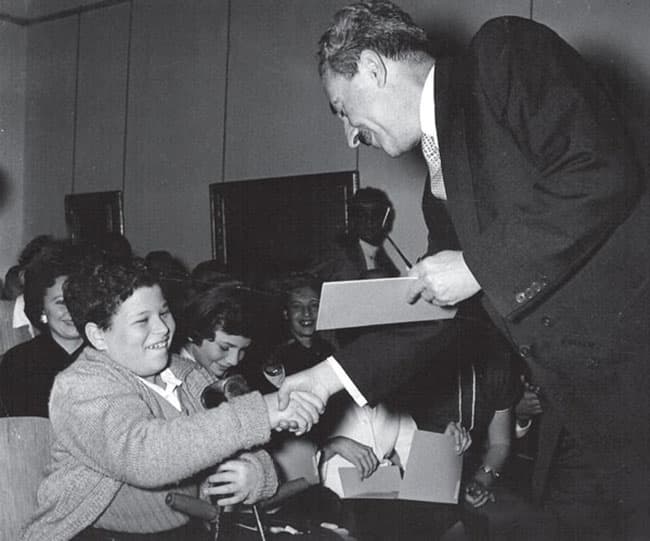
302 411
461 436
361 456
443 279
319 380
235 481
530 405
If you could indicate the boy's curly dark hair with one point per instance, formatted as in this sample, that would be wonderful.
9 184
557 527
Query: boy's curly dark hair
96 291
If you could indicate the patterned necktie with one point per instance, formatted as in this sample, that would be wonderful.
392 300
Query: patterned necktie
432 156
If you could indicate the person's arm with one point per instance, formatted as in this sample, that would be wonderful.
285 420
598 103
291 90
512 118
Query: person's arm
103 420
477 492
361 456
585 180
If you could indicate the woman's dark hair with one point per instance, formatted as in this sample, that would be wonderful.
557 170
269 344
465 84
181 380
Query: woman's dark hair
96 291
233 310
40 244
41 274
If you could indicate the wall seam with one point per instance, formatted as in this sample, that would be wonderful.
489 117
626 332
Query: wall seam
75 116
225 94
127 84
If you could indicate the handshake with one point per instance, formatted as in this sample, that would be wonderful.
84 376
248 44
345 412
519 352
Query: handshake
301 399
298 416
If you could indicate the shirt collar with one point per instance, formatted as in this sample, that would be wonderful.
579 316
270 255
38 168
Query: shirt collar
19 317
169 392
368 249
428 107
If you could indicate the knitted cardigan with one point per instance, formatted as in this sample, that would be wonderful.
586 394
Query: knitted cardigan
113 433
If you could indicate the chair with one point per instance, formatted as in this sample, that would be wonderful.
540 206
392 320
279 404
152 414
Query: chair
24 456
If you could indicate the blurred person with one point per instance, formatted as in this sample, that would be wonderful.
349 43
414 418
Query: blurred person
360 251
129 425
12 286
212 272
15 326
115 245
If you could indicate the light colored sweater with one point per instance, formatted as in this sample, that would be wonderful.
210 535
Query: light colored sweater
119 446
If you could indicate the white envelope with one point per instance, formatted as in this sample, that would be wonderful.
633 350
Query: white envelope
359 303
432 474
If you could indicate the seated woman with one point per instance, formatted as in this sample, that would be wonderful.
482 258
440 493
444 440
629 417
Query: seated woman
27 371
129 426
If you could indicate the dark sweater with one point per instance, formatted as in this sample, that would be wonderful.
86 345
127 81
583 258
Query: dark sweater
27 373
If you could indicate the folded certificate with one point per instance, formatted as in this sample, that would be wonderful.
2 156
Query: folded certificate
433 474
359 303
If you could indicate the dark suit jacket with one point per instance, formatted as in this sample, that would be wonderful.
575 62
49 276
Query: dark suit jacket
548 205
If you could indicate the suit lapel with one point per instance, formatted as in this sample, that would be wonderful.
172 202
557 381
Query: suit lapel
456 170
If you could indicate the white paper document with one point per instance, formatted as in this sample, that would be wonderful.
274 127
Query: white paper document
359 303
432 474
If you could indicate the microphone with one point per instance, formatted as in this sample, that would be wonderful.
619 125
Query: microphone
224 389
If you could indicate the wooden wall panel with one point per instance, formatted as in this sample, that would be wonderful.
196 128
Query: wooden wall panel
279 122
51 72
101 99
614 36
175 119
13 50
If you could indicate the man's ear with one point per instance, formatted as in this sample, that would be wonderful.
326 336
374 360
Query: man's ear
372 64
95 336
285 314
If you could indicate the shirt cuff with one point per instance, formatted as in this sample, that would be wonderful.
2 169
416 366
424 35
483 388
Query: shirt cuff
521 431
347 383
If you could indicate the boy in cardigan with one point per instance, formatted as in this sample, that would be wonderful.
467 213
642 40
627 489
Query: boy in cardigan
129 426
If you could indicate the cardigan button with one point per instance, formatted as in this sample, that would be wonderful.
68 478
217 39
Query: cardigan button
547 321
520 297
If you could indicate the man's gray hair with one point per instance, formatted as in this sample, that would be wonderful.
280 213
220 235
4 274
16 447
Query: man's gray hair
379 26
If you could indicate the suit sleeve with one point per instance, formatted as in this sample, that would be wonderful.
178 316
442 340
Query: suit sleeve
585 181
381 361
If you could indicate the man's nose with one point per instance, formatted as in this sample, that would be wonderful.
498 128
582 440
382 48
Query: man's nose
351 134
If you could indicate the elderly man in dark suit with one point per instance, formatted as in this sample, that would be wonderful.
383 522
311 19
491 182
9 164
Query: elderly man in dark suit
535 206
